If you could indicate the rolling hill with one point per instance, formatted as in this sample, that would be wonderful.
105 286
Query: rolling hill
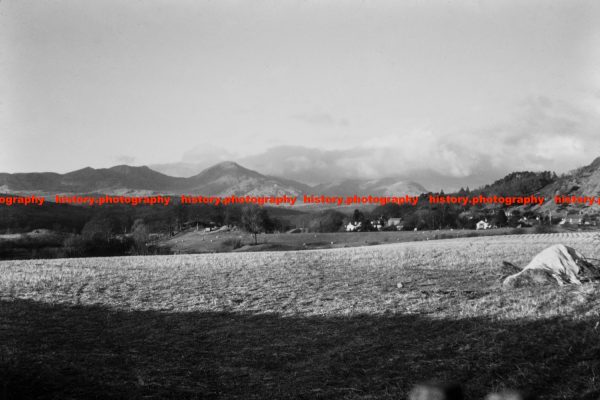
90 180
584 181
223 179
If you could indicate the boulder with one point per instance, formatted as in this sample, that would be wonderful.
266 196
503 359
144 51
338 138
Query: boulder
556 265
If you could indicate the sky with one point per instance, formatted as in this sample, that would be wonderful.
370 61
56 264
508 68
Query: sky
313 90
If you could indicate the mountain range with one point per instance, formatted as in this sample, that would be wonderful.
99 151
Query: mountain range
227 178
222 179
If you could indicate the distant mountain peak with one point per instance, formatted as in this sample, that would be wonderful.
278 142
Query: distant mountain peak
228 165
125 169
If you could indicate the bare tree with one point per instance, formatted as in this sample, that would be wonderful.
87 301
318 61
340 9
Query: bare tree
140 236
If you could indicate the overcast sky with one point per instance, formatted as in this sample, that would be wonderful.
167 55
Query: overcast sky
375 88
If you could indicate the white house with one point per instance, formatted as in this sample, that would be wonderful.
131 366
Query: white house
483 225
352 227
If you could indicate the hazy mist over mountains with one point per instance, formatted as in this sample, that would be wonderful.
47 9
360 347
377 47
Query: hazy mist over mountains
321 167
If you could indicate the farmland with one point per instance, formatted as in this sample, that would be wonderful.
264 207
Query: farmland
191 241
351 323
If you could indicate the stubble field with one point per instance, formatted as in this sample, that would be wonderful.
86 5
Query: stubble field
355 323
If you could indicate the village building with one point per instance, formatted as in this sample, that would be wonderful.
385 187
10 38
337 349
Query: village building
483 224
353 227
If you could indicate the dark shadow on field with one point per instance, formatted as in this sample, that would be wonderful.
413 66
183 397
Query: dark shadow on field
77 352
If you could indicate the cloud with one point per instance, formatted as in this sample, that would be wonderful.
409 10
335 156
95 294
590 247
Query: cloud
320 119
543 134
390 155
207 153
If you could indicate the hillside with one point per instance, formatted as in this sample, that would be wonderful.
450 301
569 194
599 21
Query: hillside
378 187
223 179
229 178
584 181
220 180
522 183
88 180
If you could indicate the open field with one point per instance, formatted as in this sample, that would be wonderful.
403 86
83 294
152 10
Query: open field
352 323
191 242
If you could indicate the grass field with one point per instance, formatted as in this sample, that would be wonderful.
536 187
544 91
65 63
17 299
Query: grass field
192 242
345 323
